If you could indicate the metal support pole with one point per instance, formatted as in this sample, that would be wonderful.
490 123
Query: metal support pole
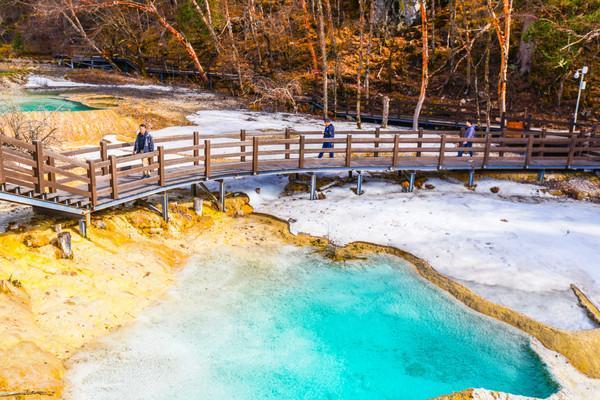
359 183
194 190
471 178
222 195
313 186
165 206
541 175
411 182
83 227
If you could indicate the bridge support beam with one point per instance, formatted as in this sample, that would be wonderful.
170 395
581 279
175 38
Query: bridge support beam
83 225
165 206
313 186
411 181
194 190
472 178
359 183
221 195
541 176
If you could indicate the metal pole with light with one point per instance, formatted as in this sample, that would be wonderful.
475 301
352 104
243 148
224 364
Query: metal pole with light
579 74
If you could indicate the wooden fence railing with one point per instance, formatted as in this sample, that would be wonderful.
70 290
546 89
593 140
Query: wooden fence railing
111 172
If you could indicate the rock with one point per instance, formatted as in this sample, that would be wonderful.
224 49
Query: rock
64 245
100 224
292 220
257 190
36 240
321 196
494 189
429 186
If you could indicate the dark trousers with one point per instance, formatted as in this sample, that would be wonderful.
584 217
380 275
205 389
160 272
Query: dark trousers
466 144
327 145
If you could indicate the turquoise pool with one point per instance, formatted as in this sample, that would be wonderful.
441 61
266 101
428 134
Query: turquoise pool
41 103
302 327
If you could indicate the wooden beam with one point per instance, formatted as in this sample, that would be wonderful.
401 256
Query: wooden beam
104 155
196 151
571 150
395 151
207 160
38 157
377 131
114 177
419 142
2 174
255 155
161 166
91 173
301 152
442 152
348 150
529 151
242 147
486 151
287 136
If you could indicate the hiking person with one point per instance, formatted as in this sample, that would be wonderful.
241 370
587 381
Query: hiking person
144 144
469 134
328 133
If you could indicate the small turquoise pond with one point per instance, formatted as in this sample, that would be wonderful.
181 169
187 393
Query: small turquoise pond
302 327
41 103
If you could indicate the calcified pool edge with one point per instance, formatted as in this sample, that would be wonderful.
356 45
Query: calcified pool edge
578 347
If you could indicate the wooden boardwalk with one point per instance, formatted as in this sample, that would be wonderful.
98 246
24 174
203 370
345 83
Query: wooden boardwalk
91 179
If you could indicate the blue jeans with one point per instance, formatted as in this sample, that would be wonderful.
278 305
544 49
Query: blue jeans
327 145
466 144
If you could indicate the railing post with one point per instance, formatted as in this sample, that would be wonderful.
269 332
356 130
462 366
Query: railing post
348 150
486 151
104 155
542 144
419 142
287 145
114 177
529 151
242 147
255 155
161 166
2 175
571 150
377 142
91 174
502 121
385 112
207 159
442 152
196 151
38 157
395 153
301 152
51 175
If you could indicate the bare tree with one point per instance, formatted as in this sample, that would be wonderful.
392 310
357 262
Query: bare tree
424 68
359 70
309 34
325 67
503 35
206 18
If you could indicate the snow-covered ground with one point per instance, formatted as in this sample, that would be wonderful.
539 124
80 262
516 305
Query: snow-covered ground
45 82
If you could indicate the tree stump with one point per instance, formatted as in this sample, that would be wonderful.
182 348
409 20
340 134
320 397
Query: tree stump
64 245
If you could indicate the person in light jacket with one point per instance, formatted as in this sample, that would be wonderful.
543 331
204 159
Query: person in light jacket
144 144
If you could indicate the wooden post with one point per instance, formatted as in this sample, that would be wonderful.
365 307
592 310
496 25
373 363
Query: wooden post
207 159
386 112
287 145
104 155
442 152
114 178
542 144
255 155
2 174
51 175
221 195
242 147
348 150
301 152
38 157
419 142
527 120
502 121
571 150
376 142
161 166
486 151
529 151
196 152
395 153
91 174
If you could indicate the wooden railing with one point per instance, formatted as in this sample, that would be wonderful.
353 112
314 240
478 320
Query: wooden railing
111 173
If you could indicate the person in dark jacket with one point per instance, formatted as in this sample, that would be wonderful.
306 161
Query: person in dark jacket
329 132
144 144
469 134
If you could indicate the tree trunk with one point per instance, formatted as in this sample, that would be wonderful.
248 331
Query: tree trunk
207 20
236 54
526 48
424 68
359 70
309 34
325 68
503 34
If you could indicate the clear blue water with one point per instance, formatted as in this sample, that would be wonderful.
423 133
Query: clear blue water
40 103
301 327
